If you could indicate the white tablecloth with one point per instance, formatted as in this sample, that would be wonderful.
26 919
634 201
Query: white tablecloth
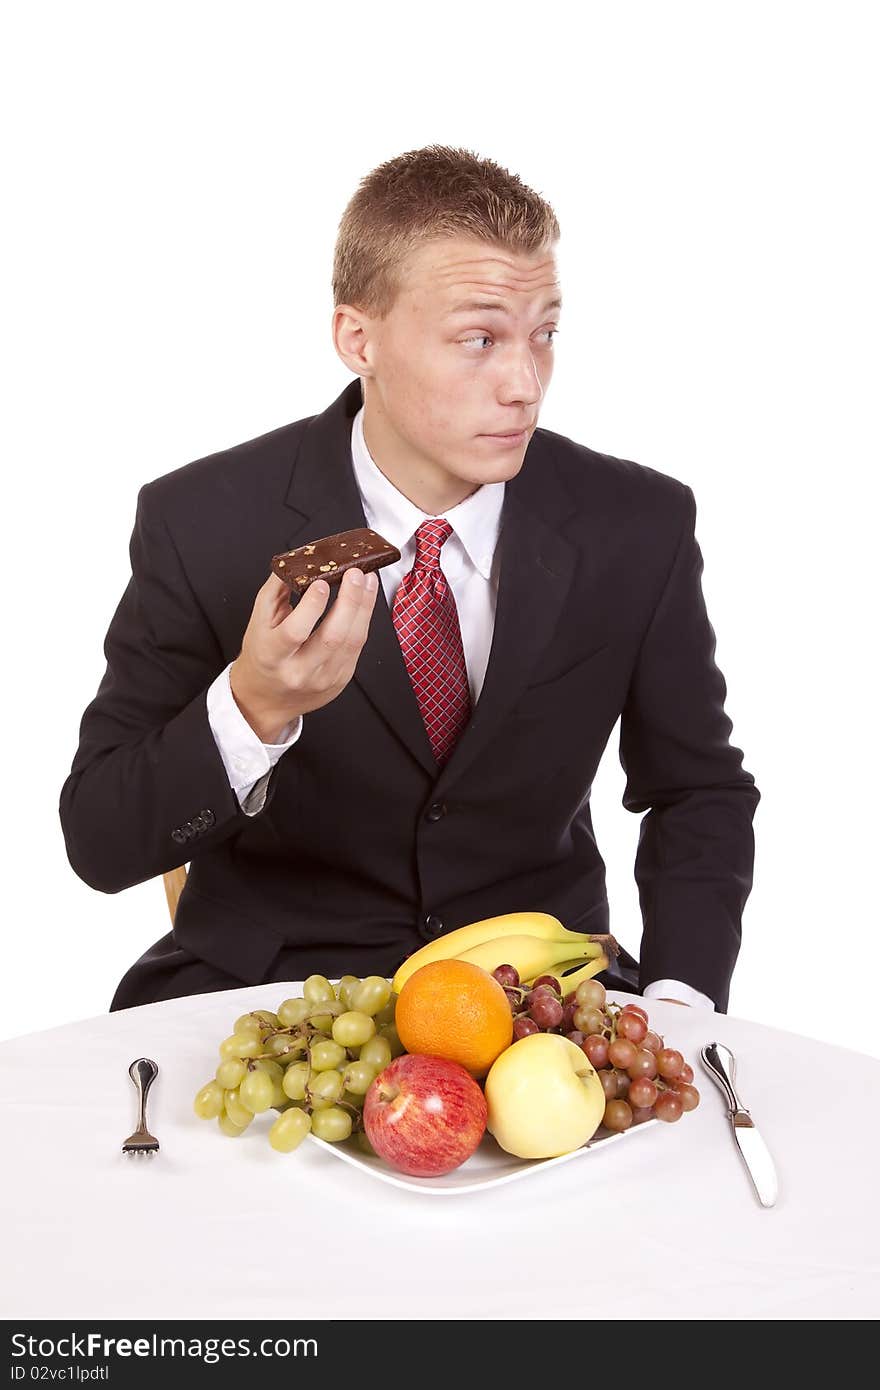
227 1228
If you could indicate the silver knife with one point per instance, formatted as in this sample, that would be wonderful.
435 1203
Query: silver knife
720 1063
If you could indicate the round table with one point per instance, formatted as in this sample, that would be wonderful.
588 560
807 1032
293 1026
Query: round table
663 1224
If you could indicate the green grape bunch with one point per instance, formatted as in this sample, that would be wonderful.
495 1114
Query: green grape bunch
312 1061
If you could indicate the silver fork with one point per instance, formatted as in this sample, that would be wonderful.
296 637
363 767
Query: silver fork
143 1073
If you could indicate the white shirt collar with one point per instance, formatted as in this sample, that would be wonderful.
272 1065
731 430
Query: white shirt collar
476 521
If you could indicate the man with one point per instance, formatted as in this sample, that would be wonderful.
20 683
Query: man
356 775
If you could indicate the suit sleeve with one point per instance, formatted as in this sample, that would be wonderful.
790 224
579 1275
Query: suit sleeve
695 855
147 789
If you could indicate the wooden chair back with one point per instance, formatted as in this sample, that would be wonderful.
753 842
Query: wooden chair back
174 881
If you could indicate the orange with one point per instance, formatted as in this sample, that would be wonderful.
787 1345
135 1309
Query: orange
456 1010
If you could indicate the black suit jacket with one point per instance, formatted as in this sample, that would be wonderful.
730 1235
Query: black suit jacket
365 849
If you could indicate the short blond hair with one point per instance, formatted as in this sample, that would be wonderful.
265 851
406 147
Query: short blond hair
421 195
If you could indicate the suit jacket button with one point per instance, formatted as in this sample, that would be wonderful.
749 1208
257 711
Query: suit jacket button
199 823
436 811
433 925
208 817
178 836
189 830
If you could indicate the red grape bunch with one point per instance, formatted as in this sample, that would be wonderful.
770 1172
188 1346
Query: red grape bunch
642 1078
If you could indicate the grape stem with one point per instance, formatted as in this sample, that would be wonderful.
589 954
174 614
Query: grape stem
357 1119
304 1030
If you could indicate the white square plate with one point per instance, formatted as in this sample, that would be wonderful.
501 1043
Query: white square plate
489 1166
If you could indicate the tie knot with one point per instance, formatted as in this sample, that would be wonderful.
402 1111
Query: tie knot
429 538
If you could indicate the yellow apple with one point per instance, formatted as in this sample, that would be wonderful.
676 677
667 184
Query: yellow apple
544 1097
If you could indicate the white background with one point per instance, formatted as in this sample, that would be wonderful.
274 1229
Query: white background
174 178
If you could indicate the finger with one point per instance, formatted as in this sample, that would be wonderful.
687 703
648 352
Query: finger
333 636
339 655
281 606
357 633
270 601
297 624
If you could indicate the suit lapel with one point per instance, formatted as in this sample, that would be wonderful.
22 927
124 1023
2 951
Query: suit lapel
535 571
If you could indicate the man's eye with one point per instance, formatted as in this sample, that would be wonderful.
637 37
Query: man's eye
487 338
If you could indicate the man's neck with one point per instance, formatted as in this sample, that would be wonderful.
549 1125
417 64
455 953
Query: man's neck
429 496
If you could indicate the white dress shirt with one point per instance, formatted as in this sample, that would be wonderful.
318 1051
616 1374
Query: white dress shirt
469 559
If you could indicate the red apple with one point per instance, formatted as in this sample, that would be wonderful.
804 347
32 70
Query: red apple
424 1115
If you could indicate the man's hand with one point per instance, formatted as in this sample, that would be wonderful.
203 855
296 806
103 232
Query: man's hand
285 668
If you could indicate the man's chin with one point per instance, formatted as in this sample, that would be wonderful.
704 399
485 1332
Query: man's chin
498 463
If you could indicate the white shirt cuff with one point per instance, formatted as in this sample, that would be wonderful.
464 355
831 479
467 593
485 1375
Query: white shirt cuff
245 757
675 989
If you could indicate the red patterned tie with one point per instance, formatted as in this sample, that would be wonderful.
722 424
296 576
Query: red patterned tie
426 621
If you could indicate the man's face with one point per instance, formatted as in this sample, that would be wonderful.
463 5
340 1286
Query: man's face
440 379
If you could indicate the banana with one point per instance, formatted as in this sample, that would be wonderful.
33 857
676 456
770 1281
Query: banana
571 982
609 947
453 944
530 955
